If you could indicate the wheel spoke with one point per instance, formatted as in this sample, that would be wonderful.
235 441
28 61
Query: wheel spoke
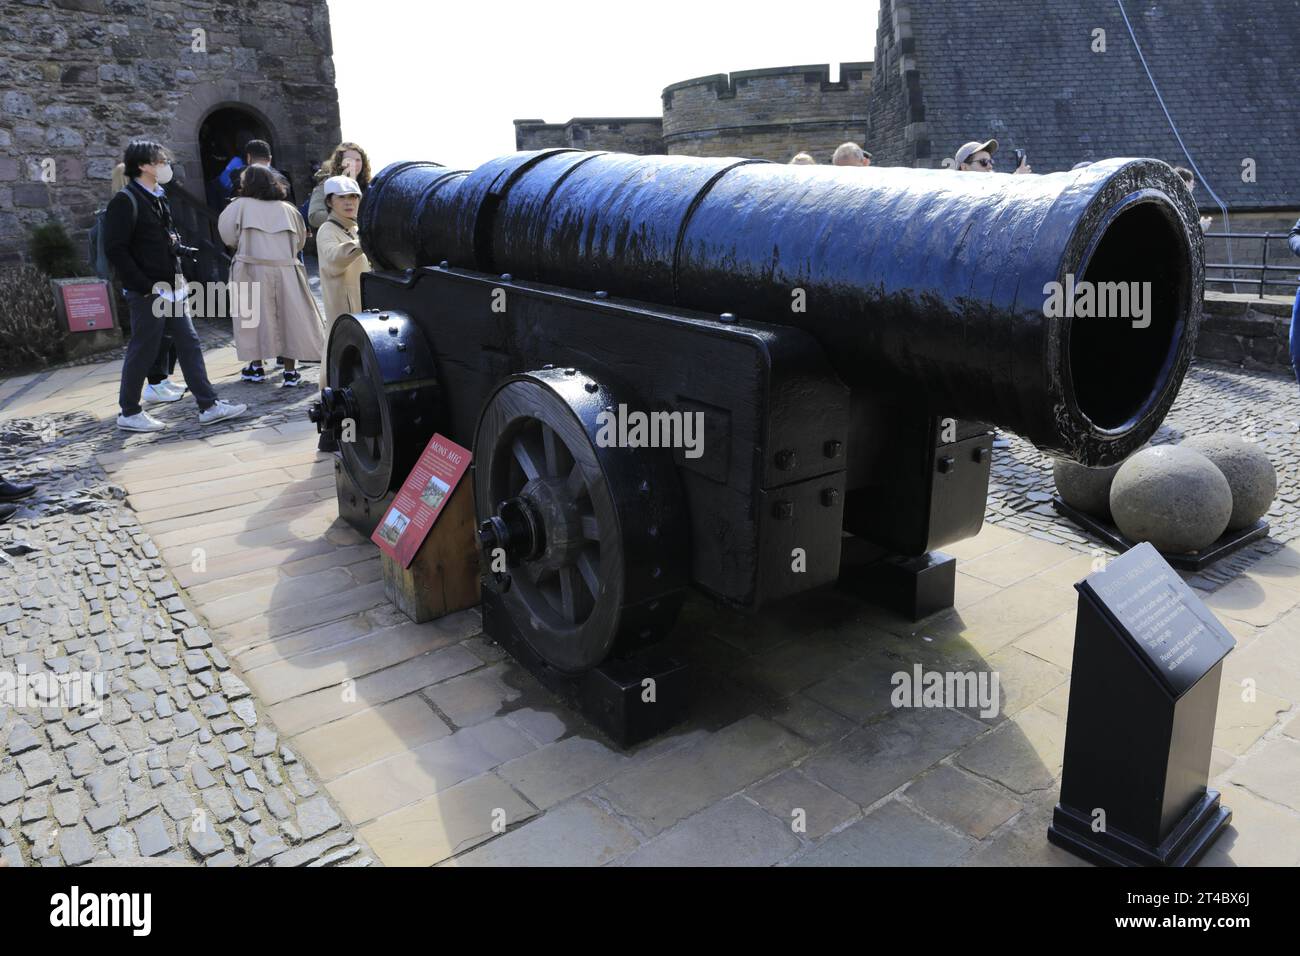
568 596
575 484
590 529
587 565
526 457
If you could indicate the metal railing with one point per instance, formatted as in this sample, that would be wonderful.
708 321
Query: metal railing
1264 268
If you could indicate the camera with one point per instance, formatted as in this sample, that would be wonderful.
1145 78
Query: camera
182 251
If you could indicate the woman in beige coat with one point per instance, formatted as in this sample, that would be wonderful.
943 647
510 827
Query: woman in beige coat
271 304
338 251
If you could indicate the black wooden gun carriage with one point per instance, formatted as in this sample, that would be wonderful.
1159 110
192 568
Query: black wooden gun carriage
845 338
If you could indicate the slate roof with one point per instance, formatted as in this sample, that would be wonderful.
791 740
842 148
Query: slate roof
1024 72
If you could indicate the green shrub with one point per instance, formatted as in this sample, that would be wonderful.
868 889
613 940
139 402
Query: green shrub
30 332
54 252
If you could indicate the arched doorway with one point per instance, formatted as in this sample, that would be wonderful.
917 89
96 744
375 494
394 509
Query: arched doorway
222 135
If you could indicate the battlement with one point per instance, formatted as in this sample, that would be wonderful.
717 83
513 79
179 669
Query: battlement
770 113
767 114
779 79
624 134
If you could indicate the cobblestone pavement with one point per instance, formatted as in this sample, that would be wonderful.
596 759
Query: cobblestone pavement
447 753
176 760
1259 406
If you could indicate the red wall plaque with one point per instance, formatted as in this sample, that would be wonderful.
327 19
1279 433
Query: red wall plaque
86 306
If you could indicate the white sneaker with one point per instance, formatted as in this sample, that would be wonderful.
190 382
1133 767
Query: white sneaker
159 393
171 386
220 412
140 422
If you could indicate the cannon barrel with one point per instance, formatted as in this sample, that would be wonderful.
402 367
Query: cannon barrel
929 286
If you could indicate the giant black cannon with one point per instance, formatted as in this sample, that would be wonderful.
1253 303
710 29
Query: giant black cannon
841 341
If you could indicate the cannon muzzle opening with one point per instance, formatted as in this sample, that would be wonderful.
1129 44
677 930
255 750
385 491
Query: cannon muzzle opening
1120 365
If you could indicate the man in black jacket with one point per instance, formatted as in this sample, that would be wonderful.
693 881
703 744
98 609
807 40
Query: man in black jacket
144 248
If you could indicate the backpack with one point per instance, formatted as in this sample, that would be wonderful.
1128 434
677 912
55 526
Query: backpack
98 251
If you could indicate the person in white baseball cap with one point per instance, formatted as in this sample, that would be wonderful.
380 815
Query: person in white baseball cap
338 250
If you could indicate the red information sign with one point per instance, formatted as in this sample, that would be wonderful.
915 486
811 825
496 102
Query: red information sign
420 501
86 306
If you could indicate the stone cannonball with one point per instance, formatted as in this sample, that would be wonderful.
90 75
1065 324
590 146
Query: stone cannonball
1250 474
1173 497
1084 488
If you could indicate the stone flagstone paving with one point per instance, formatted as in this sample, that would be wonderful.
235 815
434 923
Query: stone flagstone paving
427 746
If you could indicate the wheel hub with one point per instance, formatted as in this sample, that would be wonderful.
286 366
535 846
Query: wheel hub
560 521
514 530
336 406
542 525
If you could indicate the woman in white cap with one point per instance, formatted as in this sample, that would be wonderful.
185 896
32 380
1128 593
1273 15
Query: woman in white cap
338 250
272 306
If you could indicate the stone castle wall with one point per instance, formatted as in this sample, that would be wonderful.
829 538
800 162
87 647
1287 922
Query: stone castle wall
897 109
642 135
765 114
80 78
1245 331
768 114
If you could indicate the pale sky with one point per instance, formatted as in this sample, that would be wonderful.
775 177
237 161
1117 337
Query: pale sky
443 81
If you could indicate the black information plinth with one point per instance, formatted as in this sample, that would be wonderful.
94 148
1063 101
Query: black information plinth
1148 658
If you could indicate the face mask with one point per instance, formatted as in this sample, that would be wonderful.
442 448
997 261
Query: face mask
163 173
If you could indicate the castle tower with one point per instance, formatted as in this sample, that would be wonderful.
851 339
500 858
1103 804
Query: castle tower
85 76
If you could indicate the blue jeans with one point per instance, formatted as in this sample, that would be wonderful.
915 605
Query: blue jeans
1295 336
